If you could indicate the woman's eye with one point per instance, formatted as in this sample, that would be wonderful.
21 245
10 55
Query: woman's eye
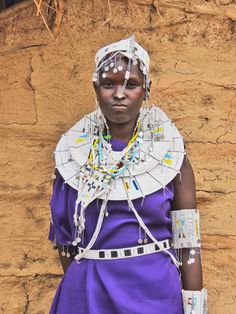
131 85
107 84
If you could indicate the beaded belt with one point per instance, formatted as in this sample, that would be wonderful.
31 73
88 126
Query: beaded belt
133 251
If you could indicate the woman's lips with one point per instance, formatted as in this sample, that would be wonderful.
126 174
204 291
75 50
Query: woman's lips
119 106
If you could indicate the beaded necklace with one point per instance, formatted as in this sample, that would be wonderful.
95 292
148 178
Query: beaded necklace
99 163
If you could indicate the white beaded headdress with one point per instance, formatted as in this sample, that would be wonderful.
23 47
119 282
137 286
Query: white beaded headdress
109 57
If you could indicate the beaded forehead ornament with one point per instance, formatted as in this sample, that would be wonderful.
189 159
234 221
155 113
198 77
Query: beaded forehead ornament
109 57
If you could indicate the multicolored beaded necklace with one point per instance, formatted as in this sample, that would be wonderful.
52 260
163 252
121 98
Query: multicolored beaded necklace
99 162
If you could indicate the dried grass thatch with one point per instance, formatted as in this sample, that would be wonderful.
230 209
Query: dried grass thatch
57 7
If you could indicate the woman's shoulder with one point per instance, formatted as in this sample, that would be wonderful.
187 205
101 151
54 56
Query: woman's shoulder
61 190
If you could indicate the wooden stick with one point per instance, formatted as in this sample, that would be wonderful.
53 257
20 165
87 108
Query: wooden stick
39 9
109 16
39 5
59 16
49 6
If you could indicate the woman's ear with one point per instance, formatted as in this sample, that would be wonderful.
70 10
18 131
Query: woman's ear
95 86
149 83
148 88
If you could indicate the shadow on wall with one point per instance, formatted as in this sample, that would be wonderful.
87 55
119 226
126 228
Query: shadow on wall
7 3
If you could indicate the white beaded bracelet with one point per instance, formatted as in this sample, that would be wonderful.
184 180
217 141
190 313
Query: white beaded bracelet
195 302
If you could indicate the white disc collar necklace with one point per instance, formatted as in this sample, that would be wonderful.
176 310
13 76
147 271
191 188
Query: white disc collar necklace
85 158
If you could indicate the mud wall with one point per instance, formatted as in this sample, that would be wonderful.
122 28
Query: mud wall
45 88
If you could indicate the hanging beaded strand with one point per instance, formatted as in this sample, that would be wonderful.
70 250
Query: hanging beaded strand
140 240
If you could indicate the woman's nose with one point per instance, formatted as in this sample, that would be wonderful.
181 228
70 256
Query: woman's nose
119 92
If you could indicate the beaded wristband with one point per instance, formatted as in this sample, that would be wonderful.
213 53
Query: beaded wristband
195 302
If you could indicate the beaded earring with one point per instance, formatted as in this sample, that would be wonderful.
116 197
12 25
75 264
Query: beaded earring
101 122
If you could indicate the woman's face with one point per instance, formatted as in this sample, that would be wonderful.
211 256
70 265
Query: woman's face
121 107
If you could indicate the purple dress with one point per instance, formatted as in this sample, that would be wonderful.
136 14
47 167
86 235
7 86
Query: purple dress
136 285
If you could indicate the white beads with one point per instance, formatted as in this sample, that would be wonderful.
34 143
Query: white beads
140 140
78 240
127 75
95 77
191 261
53 176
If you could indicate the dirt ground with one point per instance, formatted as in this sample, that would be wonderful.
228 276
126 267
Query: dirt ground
46 87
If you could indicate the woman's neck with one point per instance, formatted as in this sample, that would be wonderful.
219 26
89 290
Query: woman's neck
122 132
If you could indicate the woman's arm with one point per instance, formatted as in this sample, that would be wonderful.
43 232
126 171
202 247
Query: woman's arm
185 198
63 250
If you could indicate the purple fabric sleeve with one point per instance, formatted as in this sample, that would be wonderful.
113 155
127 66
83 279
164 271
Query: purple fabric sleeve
62 208
51 233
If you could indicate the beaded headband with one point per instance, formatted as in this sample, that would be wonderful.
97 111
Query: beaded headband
109 56
128 47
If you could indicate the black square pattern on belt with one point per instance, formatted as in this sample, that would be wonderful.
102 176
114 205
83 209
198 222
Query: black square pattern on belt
114 254
165 245
127 252
102 254
157 247
140 250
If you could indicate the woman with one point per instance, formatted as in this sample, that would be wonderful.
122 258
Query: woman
123 192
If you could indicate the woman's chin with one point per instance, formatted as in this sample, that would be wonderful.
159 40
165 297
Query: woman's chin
118 120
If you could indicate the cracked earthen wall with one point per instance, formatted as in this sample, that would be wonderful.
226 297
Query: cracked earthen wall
46 87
